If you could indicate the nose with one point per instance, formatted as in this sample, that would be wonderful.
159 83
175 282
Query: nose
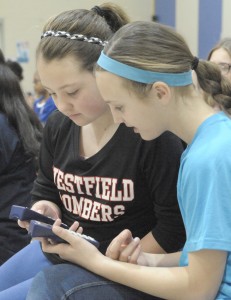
62 104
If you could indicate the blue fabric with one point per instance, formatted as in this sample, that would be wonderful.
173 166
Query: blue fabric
144 76
204 193
17 273
44 111
71 282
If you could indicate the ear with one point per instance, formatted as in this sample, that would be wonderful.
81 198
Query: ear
162 92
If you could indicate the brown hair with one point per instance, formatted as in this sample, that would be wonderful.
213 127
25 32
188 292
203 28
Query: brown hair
159 48
101 22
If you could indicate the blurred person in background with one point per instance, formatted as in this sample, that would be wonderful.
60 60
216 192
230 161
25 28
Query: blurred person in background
221 55
20 136
16 68
43 105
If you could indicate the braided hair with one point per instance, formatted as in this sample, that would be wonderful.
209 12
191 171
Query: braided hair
156 47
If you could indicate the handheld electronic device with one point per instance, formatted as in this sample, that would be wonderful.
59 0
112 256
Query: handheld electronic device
38 229
25 214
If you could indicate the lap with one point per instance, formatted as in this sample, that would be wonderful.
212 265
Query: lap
71 282
22 266
16 292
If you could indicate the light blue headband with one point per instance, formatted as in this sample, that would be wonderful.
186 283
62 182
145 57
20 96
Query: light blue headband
144 76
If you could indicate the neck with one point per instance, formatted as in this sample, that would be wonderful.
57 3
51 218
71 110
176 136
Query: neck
97 134
188 116
102 125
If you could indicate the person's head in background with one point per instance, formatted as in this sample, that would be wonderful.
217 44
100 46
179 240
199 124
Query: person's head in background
69 48
38 87
43 104
16 68
221 55
19 114
159 94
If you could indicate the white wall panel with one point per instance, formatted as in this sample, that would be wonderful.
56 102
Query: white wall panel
187 22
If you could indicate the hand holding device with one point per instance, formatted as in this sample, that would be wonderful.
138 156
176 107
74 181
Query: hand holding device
38 229
25 214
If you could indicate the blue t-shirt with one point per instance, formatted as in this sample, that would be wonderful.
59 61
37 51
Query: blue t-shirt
204 193
44 109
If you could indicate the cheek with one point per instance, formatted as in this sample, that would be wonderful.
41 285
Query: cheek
93 105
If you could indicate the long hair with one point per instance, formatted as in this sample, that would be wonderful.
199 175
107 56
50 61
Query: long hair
20 116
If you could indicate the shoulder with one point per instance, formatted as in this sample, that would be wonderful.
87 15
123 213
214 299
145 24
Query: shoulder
166 141
167 144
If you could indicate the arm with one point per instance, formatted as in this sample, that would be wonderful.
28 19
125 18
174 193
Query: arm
44 187
189 282
161 159
45 196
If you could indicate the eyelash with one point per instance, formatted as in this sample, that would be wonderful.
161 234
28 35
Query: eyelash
73 93
52 94
119 108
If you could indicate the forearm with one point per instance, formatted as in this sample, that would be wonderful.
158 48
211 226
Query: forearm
167 283
158 275
162 260
187 283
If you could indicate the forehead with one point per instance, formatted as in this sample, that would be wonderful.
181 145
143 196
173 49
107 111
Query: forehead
57 72
65 62
111 86
220 55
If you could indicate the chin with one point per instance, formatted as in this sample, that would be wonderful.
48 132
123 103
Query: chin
148 136
81 122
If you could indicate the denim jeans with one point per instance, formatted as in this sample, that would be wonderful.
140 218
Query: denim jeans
17 273
67 281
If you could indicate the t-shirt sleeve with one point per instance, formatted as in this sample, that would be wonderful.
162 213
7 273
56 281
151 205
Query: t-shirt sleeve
161 170
44 187
206 190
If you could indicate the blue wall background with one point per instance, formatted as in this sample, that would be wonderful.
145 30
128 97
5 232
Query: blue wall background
209 18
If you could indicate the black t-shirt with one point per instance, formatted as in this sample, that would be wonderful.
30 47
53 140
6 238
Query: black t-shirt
129 183
17 174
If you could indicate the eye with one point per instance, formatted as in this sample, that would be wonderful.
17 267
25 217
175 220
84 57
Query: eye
118 108
73 93
52 94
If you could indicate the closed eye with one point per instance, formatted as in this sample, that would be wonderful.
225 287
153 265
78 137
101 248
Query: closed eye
73 93
119 108
52 94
